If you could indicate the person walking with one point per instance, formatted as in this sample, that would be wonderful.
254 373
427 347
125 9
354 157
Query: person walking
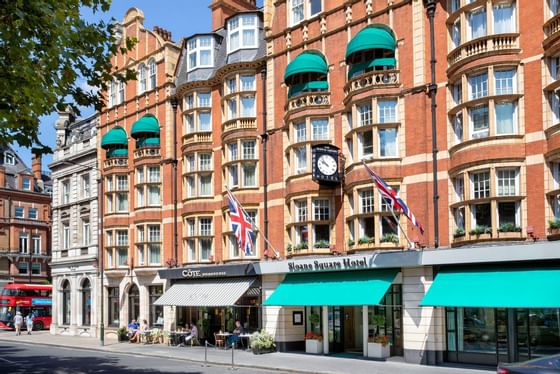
18 321
29 323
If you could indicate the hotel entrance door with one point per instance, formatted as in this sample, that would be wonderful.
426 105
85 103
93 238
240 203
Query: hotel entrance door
345 329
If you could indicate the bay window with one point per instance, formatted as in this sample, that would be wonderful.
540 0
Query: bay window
477 23
200 52
242 32
506 117
479 123
199 239
246 164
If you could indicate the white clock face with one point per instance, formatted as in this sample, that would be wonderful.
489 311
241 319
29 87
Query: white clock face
327 164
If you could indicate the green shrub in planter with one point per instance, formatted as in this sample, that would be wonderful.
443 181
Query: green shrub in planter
554 224
300 246
122 334
322 244
390 238
479 230
262 342
509 227
365 240
351 242
459 232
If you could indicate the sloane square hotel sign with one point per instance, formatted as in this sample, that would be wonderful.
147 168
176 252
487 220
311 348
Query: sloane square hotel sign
345 263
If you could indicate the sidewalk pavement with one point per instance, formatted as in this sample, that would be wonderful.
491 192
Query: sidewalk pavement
286 362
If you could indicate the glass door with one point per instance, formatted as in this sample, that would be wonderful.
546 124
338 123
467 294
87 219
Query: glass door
502 345
336 342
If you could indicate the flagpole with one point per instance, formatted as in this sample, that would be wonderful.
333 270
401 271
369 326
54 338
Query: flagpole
402 230
276 253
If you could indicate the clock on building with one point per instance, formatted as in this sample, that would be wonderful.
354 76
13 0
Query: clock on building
325 164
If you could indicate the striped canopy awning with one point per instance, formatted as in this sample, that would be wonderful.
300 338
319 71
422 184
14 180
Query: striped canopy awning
209 293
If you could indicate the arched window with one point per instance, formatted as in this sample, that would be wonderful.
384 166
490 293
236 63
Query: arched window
153 71
141 78
66 303
133 302
86 303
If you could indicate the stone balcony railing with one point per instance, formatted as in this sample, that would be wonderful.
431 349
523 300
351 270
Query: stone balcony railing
239 124
551 29
309 100
197 137
147 152
373 79
487 44
115 162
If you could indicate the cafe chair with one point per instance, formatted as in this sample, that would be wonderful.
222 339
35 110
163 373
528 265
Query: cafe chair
220 342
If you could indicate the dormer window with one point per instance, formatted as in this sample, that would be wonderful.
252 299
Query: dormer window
9 158
200 52
242 32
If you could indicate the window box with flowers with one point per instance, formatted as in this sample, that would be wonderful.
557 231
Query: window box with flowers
378 345
313 343
554 228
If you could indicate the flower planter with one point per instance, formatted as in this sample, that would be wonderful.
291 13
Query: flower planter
481 236
260 351
377 350
314 346
510 235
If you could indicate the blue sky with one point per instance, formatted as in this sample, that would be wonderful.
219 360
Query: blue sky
181 17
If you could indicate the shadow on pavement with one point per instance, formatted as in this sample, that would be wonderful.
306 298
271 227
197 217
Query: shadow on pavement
13 360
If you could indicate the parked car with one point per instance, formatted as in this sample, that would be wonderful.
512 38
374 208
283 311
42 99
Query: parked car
543 365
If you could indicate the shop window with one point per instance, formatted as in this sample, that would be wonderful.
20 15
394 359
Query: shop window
114 307
66 303
156 311
86 303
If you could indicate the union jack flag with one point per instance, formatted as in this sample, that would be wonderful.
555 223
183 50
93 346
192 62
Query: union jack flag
241 225
394 200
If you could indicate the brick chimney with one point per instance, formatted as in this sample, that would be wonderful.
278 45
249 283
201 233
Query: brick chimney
222 9
165 34
36 166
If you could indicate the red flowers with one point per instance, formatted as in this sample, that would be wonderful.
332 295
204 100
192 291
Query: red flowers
312 335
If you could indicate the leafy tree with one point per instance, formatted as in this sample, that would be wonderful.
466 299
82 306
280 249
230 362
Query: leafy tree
48 51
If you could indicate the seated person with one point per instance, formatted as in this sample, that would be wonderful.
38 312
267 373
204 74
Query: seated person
140 332
192 338
132 327
239 329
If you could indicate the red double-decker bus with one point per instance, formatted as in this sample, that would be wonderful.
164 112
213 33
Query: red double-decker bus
26 298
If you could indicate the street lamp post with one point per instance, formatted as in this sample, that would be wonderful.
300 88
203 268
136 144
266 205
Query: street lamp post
174 104
101 257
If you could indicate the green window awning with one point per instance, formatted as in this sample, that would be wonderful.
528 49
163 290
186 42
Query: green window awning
495 287
306 62
366 287
372 37
309 86
148 124
117 152
389 62
115 137
148 142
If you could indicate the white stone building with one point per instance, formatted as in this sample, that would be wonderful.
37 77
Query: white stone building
74 233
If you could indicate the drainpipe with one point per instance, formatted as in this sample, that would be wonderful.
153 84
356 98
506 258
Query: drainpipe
264 138
432 90
174 104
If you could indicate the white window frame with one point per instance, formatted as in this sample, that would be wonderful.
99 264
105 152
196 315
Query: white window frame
142 81
388 111
152 74
35 214
478 85
21 211
505 175
480 185
9 158
480 133
396 153
194 46
237 26
505 81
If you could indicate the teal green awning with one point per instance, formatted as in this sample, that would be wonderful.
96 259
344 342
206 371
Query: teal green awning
145 125
115 137
365 287
388 62
497 287
306 62
117 152
372 37
308 86
148 142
